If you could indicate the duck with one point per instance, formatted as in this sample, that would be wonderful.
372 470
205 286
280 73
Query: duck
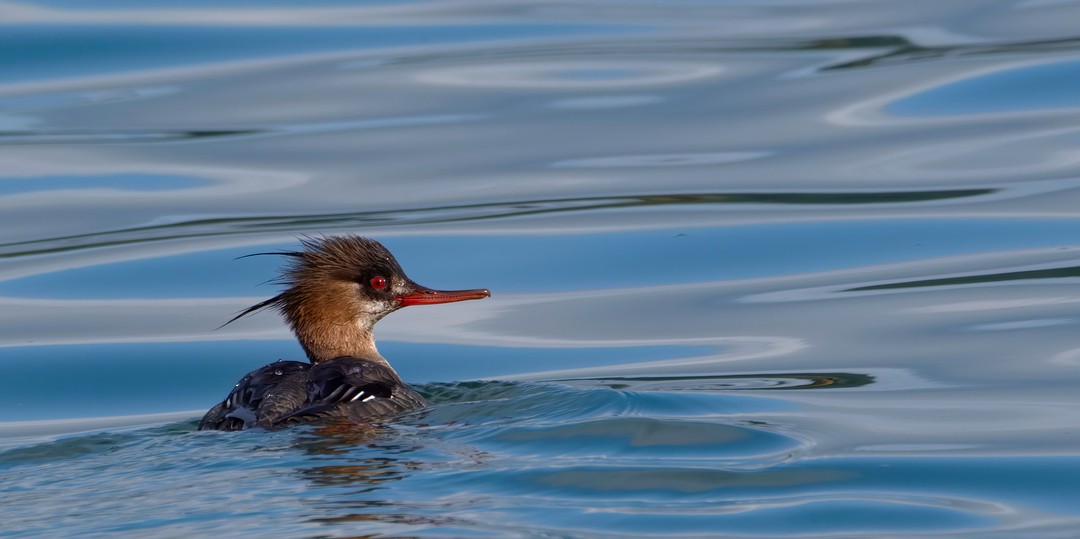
336 289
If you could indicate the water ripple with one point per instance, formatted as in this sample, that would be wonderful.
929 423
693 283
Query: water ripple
466 212
514 452
68 137
579 75
761 268
661 160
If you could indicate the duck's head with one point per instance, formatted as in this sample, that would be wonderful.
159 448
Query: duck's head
338 287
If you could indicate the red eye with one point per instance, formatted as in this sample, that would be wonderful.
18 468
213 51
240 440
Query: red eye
378 283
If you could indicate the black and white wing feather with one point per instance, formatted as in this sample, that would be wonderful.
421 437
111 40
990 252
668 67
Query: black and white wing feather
288 392
357 388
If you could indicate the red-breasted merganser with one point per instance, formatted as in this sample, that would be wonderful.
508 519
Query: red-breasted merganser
338 288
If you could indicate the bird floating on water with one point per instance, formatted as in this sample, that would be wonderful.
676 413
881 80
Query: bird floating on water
338 287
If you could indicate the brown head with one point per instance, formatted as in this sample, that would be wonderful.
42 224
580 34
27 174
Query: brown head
339 287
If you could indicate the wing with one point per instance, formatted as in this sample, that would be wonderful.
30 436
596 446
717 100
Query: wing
359 389
261 397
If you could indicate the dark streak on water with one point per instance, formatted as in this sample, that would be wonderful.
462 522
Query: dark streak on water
468 212
1052 273
761 269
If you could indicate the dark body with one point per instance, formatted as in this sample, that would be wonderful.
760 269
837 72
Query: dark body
290 392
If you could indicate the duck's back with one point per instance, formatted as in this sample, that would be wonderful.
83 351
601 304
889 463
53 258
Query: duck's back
288 392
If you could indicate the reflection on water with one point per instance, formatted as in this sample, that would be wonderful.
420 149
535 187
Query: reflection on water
469 212
1023 88
570 75
1051 273
732 382
126 182
760 269
524 451
900 50
106 137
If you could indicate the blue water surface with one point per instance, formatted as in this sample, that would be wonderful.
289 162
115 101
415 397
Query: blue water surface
1037 87
775 269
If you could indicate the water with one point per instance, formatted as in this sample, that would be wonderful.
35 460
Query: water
760 269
